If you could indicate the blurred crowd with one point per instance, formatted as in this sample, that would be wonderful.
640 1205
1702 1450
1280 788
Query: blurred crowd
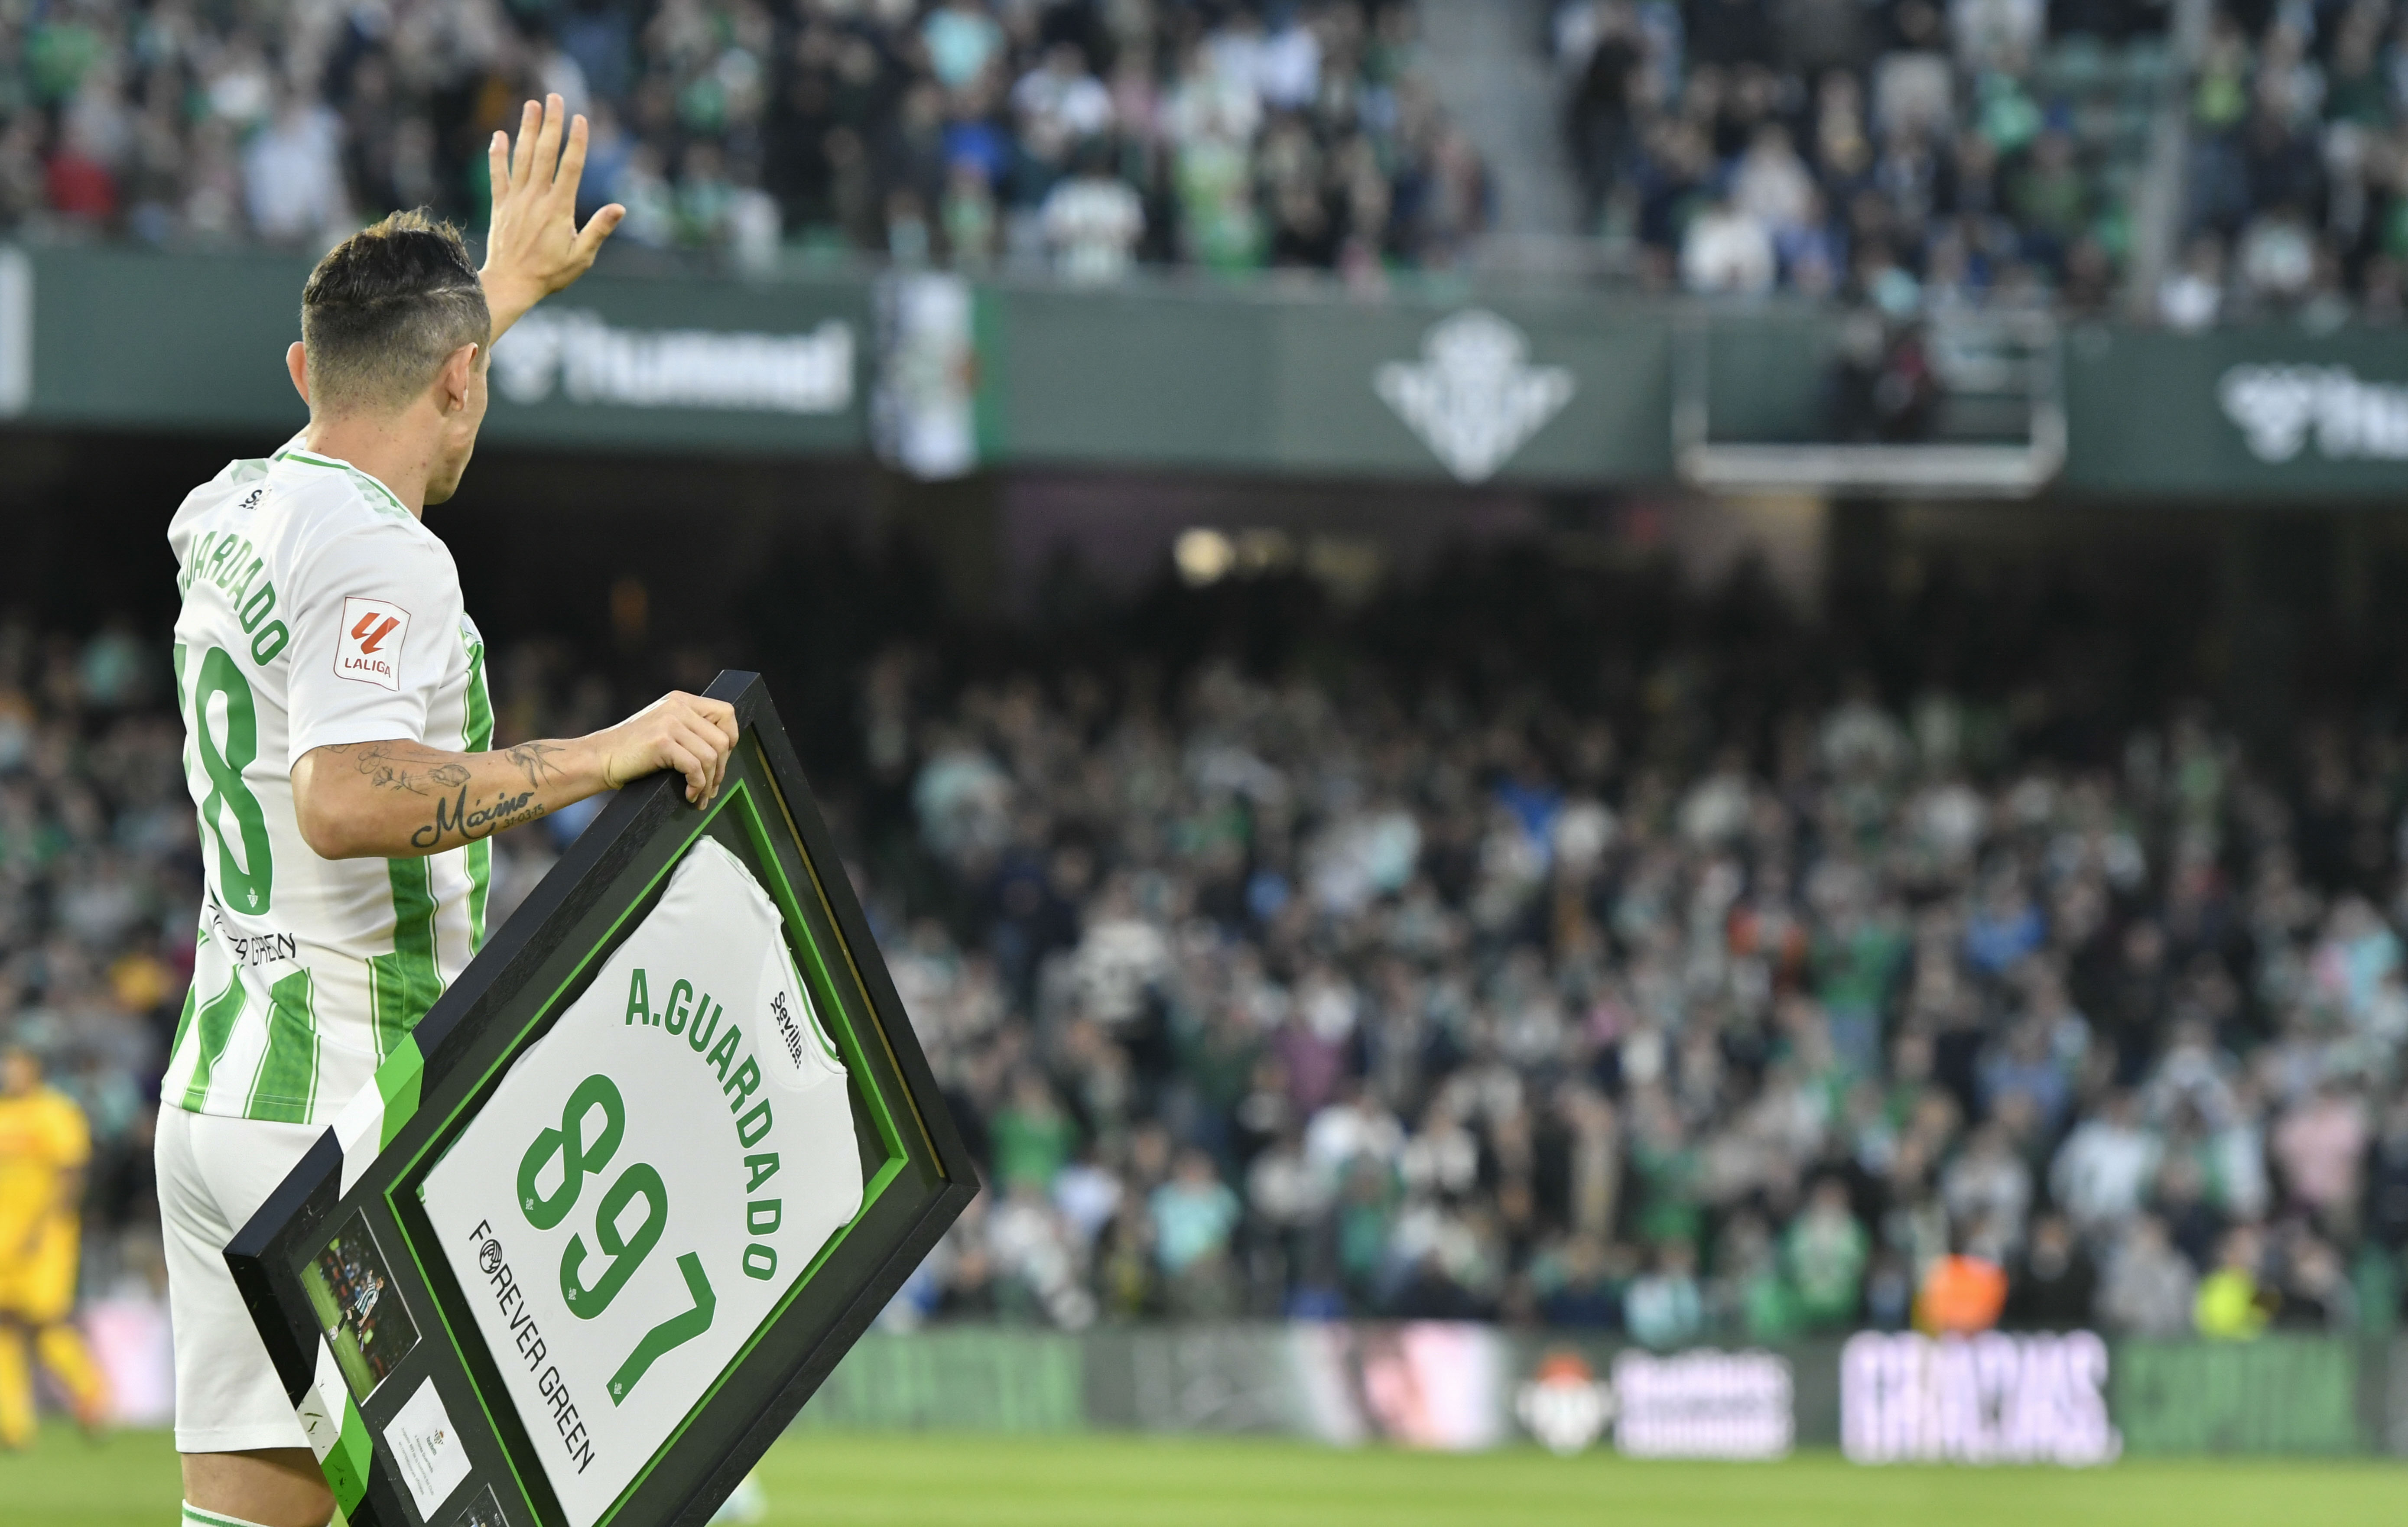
2297 179
1079 134
1916 154
1908 153
1663 985
100 895
1274 998
1920 155
100 882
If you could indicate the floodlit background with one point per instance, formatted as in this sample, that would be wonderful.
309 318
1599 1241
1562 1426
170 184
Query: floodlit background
1604 739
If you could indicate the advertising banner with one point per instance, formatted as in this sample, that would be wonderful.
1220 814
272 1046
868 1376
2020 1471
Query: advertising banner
963 1379
2269 412
756 366
1994 1398
1425 1384
1702 1404
923 411
1529 389
1698 1403
2278 1394
2038 1398
2393 1426
943 375
132 338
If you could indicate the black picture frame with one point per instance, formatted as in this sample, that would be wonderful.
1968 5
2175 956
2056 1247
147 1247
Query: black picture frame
917 1175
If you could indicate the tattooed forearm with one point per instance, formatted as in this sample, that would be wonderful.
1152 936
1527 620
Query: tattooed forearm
383 763
401 797
386 776
534 760
516 819
471 822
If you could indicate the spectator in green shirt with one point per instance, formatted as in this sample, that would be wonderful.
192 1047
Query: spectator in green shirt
1033 1138
1853 961
1667 1168
1752 1293
1827 1249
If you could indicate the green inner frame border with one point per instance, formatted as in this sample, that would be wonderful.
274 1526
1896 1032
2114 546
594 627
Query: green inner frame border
401 1197
917 1172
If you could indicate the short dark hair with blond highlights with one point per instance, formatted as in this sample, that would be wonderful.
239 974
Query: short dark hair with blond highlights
384 309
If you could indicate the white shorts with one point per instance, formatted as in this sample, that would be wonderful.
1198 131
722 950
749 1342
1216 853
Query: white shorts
214 1174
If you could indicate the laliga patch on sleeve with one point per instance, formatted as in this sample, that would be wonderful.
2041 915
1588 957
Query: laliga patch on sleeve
367 649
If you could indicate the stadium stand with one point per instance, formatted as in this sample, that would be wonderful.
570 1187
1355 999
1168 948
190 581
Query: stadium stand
1536 946
1918 155
1085 135
1989 152
1910 154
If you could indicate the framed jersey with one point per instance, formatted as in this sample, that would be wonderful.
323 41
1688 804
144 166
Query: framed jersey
619 1203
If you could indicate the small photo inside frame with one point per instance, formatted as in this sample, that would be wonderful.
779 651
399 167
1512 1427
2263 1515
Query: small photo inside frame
351 1293
485 1512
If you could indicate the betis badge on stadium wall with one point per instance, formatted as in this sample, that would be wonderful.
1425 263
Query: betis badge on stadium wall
628 1192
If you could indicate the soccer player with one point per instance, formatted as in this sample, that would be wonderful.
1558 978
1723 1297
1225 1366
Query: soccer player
44 1145
338 730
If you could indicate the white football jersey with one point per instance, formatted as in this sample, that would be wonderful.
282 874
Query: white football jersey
317 610
725 1114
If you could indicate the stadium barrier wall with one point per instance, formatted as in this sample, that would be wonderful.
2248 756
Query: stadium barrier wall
1473 1385
1876 1396
1438 380
2265 412
123 338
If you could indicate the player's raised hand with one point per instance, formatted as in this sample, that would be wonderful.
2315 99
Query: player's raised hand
533 247
678 730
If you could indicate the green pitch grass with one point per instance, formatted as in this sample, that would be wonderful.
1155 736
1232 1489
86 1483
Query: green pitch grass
322 1298
354 1365
888 1481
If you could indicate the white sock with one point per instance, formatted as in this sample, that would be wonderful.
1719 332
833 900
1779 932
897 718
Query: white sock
194 1517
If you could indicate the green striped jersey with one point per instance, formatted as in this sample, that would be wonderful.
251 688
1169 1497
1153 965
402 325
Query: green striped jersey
316 610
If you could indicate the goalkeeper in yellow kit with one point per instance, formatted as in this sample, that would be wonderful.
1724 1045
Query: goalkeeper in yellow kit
44 1145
